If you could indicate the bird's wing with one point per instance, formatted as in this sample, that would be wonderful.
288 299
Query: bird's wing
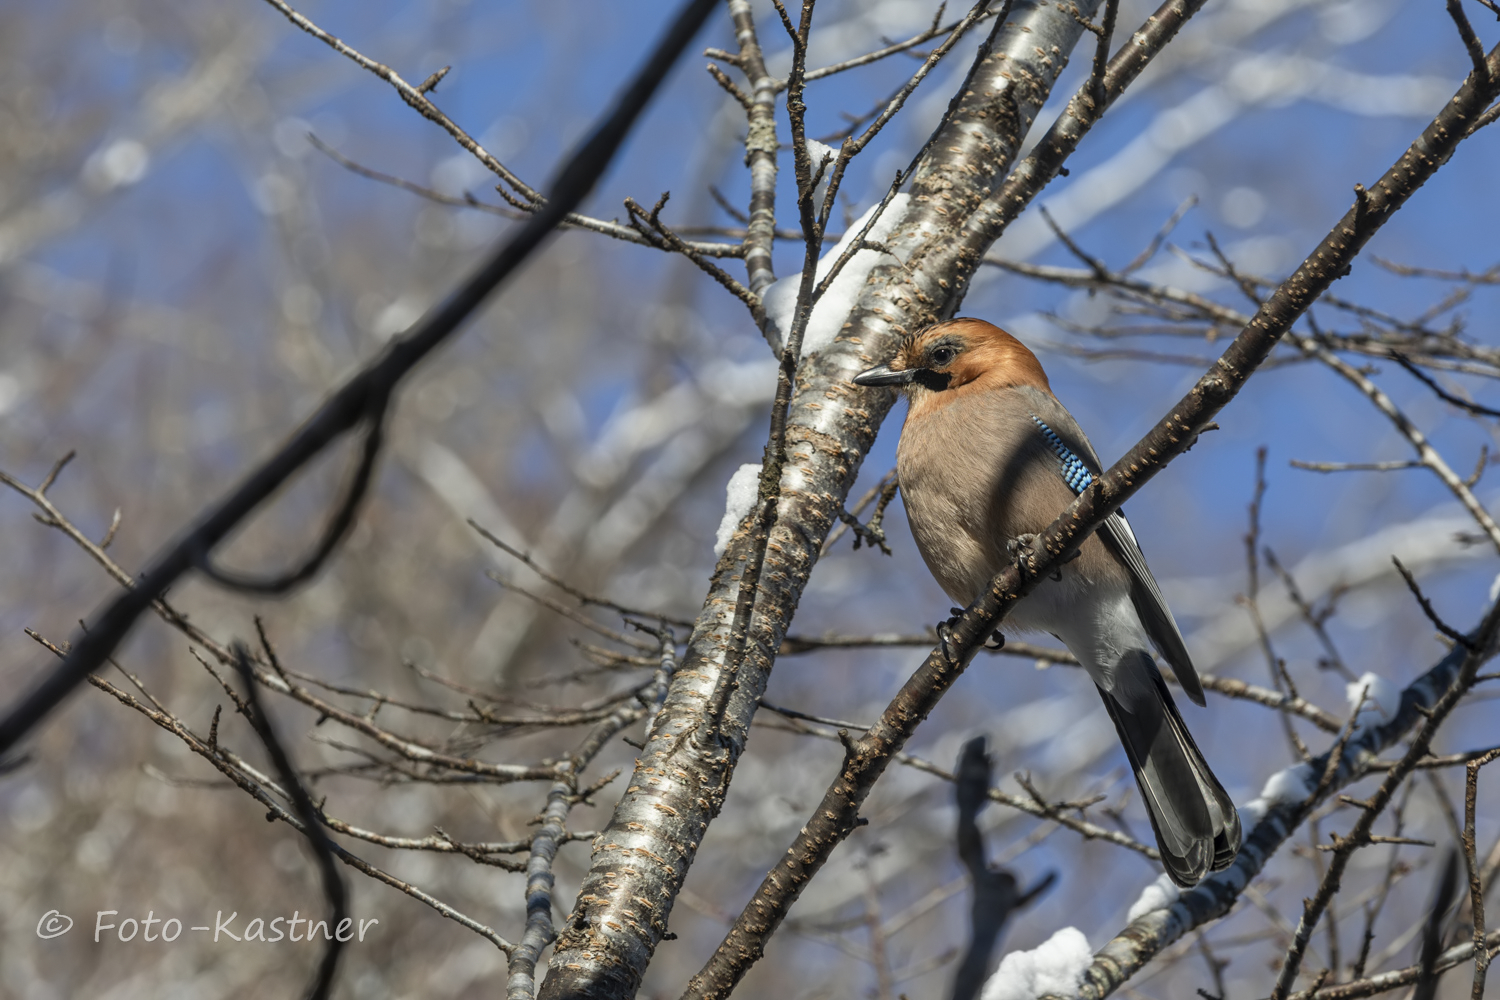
1151 606
1079 465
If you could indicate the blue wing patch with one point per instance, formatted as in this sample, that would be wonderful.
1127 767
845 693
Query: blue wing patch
1074 472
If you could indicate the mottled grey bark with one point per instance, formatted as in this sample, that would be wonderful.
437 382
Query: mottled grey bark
1147 936
678 786
760 151
1137 944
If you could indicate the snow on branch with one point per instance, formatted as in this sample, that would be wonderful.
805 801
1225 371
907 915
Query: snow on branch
1056 965
833 309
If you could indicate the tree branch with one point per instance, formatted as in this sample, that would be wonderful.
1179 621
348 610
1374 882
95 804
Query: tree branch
835 817
362 395
831 424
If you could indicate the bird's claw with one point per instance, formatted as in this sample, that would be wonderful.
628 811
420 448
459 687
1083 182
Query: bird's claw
945 636
1026 551
945 633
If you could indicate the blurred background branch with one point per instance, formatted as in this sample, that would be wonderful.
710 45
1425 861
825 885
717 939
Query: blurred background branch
209 220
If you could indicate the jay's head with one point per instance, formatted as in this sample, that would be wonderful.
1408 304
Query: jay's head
960 352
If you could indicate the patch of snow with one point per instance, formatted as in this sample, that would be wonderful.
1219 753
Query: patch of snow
817 152
833 309
1056 965
1382 700
743 487
1157 896
1292 784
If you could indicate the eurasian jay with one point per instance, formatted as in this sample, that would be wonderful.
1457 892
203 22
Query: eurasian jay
989 457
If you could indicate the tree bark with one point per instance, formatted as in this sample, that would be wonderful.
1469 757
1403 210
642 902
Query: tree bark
641 859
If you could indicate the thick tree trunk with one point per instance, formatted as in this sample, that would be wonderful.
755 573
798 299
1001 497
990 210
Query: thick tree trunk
678 786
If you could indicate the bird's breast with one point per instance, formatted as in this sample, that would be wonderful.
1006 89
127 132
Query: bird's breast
976 473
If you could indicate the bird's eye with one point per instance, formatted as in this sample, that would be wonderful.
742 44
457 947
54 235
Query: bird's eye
943 355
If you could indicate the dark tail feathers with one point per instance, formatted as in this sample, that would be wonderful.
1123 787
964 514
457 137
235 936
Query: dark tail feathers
1197 827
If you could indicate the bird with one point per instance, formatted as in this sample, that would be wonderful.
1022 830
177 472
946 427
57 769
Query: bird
988 458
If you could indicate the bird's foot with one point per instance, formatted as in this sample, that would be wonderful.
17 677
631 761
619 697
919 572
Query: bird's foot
945 636
1027 553
945 633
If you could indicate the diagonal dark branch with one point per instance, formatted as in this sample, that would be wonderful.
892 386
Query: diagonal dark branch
837 814
1427 608
1443 394
365 393
312 826
339 521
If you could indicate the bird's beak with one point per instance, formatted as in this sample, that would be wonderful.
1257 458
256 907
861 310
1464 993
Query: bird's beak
883 375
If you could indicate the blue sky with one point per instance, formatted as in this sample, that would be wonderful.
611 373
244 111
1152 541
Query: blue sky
195 232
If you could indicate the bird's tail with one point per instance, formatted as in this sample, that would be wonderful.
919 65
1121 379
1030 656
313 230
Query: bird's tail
1196 825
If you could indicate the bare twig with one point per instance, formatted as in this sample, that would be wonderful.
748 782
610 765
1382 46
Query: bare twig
573 221
1101 56
1443 394
1356 466
1466 34
1061 813
1426 453
530 199
1315 621
1360 832
652 229
885 487
1476 881
923 36
364 396
430 84
1386 982
1432 616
